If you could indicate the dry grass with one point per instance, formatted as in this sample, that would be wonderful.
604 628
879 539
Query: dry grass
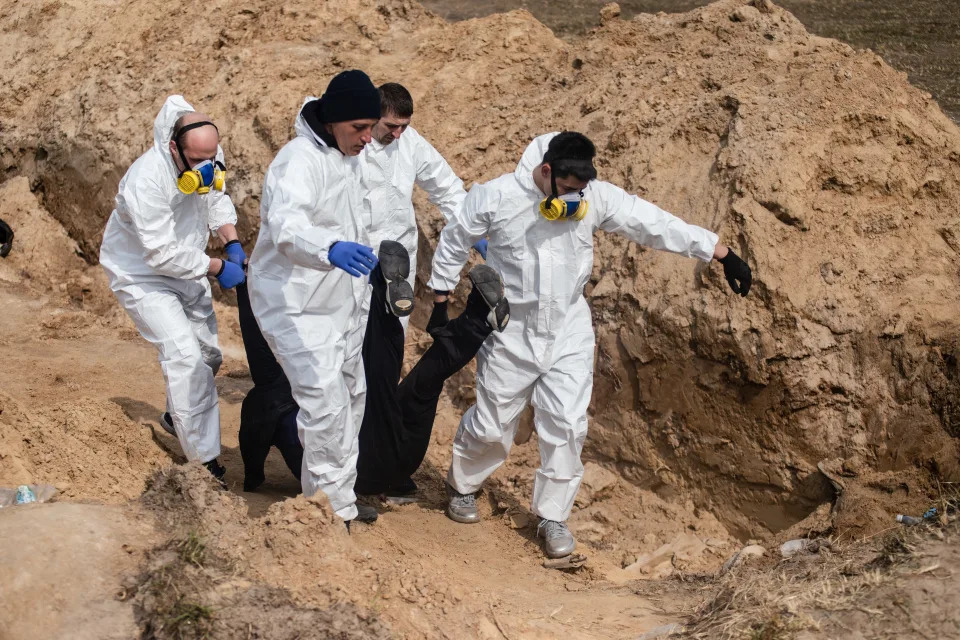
776 601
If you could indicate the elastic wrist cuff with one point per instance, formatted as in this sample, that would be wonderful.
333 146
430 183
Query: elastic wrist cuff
230 243
223 265
441 293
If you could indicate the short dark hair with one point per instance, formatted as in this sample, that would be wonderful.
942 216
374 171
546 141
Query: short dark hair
571 154
395 99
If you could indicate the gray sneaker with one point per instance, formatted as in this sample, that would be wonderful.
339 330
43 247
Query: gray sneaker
558 542
462 507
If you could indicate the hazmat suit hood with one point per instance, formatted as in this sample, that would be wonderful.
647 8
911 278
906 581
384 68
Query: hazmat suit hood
300 126
531 158
174 107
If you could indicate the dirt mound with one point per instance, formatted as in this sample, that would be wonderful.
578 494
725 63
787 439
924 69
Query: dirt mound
300 546
47 260
819 164
87 449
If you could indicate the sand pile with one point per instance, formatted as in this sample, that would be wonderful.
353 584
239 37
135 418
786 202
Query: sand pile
820 164
87 449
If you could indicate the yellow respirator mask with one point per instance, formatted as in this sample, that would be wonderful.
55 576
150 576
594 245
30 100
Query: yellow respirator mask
569 206
209 174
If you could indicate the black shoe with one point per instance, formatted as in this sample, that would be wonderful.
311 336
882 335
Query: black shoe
395 267
167 423
217 471
401 493
487 282
252 482
366 514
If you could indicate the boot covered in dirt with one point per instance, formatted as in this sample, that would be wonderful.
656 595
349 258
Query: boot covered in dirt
394 263
401 493
558 542
462 507
366 513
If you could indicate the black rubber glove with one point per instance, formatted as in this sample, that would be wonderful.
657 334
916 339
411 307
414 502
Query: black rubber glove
737 272
6 239
438 317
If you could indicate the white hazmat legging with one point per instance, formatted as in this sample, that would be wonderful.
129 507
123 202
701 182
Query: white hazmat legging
560 395
184 331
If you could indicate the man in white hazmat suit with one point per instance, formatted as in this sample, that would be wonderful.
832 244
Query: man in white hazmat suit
540 222
154 254
307 284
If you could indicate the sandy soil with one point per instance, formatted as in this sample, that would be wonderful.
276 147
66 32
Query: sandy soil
819 407
915 36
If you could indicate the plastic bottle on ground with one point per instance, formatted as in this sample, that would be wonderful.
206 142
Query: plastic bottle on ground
25 495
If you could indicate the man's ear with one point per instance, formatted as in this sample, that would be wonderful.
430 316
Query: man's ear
545 170
175 155
328 128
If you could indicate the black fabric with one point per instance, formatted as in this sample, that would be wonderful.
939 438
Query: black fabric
266 406
398 420
6 239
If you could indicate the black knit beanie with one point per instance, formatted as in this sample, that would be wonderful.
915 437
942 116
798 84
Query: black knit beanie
349 96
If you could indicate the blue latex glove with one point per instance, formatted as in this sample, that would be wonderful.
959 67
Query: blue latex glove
481 248
231 274
235 252
354 258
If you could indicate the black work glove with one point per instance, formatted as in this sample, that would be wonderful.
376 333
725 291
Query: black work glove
6 239
438 317
737 273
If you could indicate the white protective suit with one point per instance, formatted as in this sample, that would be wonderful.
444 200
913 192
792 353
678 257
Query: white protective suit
545 355
154 253
389 173
309 310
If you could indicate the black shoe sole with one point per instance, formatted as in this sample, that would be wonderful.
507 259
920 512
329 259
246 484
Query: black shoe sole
487 282
395 267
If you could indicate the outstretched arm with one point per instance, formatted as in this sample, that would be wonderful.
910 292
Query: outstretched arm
649 225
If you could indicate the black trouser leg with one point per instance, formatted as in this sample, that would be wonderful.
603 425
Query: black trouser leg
265 404
454 345
255 438
380 432
286 439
